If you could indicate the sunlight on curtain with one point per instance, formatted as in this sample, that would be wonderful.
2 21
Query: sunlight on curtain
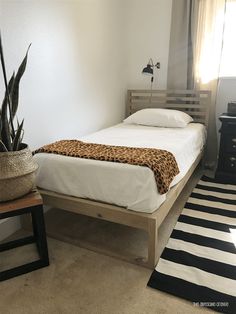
202 39
206 59
210 29
228 64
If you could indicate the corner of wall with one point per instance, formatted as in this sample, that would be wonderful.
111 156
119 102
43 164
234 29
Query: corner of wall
8 226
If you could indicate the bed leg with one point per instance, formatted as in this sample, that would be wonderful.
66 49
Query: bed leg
152 243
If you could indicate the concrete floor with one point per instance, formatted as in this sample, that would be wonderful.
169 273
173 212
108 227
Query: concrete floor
82 281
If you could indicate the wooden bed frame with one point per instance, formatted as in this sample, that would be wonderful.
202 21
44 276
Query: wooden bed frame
196 104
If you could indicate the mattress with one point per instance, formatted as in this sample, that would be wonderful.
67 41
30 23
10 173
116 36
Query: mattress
129 186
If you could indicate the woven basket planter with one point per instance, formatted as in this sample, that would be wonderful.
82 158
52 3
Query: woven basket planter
17 173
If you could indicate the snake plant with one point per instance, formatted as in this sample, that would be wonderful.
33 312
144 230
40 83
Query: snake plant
11 131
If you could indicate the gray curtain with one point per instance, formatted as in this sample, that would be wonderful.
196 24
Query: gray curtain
180 73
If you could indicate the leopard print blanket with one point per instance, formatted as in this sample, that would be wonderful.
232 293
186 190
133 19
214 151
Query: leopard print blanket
161 162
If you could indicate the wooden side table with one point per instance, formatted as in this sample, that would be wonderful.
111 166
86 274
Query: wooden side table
30 203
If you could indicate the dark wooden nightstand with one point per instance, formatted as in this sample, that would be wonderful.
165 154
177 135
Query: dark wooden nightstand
226 170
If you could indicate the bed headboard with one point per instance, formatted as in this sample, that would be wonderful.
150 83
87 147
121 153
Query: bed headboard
196 103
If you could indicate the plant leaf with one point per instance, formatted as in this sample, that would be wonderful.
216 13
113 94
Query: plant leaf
15 90
0 123
3 62
5 100
18 138
5 129
6 85
2 147
10 88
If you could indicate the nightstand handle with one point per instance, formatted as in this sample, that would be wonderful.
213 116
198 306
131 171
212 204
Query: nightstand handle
232 158
234 140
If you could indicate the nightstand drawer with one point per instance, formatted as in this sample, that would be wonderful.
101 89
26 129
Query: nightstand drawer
230 143
229 126
230 163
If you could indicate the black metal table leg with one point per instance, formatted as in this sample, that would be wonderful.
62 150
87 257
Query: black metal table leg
38 237
39 232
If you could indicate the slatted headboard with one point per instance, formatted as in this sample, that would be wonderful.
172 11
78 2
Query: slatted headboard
193 102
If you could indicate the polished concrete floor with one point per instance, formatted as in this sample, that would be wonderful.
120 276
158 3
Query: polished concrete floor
82 281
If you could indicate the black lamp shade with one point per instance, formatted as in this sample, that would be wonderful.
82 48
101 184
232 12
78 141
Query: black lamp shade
148 70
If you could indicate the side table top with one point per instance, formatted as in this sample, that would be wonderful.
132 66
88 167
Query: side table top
31 199
227 116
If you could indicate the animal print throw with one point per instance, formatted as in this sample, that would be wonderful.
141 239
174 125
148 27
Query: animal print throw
161 162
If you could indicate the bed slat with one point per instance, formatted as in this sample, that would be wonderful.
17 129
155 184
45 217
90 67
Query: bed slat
196 103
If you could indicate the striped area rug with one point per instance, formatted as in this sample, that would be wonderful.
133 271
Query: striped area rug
199 261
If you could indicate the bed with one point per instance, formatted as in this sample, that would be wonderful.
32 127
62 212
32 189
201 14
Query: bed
84 186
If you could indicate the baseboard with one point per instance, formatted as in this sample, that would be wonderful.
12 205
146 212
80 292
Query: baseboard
8 226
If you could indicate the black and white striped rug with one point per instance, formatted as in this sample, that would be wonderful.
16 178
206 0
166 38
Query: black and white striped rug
199 261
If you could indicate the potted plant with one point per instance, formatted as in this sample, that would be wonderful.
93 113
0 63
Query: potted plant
17 168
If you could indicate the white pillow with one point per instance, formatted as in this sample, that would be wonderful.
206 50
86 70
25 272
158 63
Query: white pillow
160 117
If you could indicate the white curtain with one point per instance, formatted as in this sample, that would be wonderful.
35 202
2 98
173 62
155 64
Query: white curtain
207 52
198 27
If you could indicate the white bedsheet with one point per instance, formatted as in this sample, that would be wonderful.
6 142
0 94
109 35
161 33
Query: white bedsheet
125 185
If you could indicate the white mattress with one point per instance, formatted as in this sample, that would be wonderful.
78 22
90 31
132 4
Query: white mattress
130 186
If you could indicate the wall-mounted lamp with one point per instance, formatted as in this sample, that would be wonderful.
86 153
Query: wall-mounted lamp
149 69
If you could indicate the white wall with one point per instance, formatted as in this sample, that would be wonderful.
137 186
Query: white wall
147 36
85 54
74 82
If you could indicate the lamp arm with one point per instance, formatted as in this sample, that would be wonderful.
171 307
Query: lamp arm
151 62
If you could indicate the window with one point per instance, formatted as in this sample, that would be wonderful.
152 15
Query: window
228 58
